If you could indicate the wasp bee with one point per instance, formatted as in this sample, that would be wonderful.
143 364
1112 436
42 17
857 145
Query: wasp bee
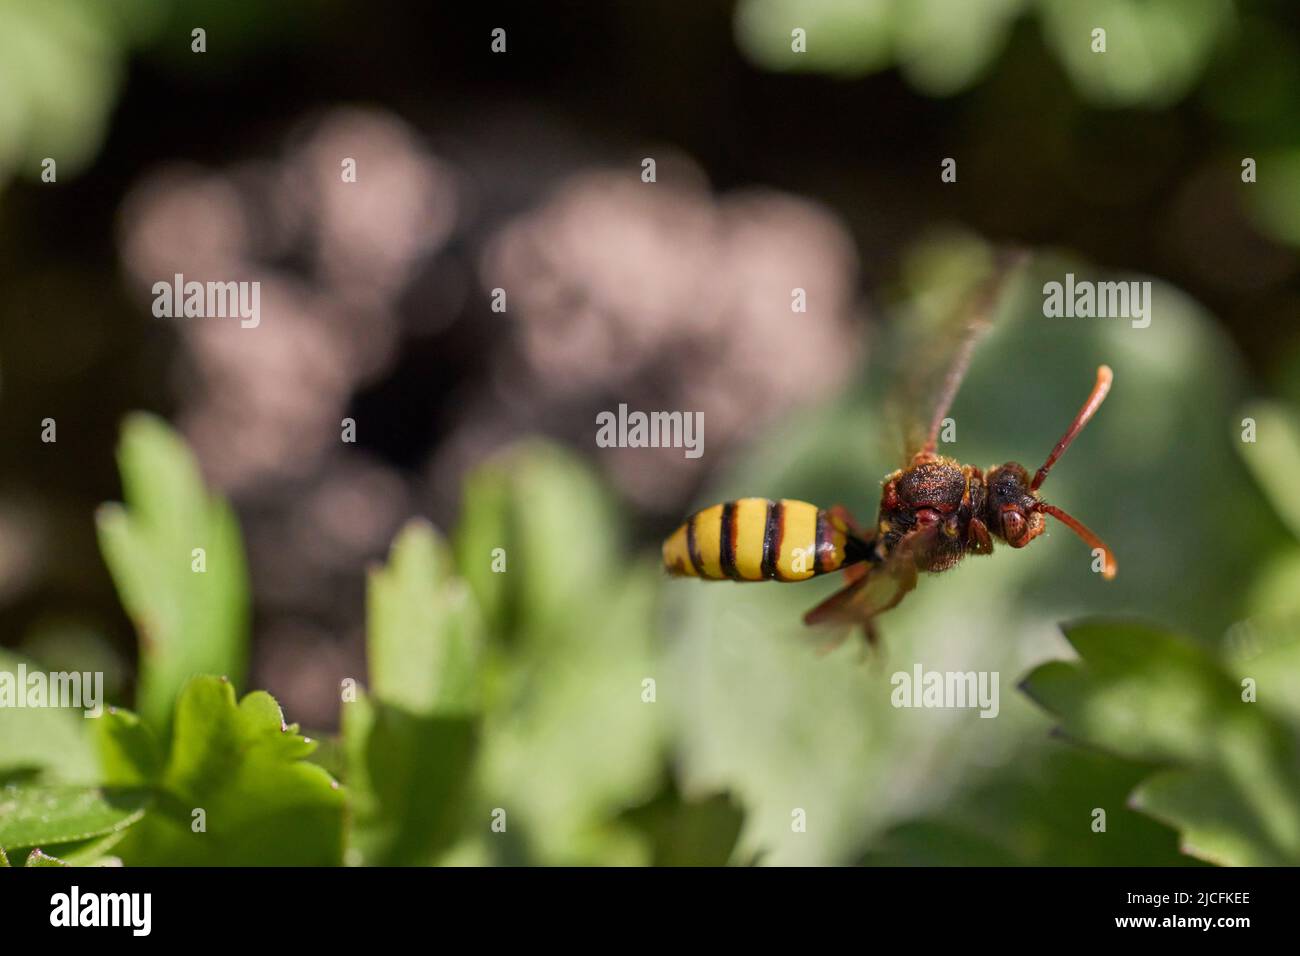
933 513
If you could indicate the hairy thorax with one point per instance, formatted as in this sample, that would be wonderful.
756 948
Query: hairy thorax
933 490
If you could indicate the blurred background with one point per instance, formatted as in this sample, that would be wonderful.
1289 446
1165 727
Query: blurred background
775 170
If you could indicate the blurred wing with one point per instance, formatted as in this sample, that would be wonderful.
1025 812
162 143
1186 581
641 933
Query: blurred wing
874 589
918 406
936 350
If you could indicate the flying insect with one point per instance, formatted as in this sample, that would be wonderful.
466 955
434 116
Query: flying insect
933 513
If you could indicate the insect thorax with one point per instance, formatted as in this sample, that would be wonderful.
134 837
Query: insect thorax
938 490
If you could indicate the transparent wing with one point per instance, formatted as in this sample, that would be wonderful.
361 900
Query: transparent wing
935 345
874 589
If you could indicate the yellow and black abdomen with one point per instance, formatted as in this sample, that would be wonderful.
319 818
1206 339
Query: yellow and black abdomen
754 539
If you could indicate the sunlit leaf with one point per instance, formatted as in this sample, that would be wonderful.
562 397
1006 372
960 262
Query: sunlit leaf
1232 783
687 832
38 857
424 634
50 742
409 776
1053 806
409 744
568 738
559 533
40 815
262 802
128 751
190 611
1155 49
1273 457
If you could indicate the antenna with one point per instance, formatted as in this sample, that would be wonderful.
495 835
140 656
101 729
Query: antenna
1098 395
1109 567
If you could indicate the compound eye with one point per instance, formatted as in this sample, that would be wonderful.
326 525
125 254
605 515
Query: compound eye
1014 528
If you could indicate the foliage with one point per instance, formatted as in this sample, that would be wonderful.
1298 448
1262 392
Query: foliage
686 832
424 778
61 65
1043 811
568 739
48 742
1230 764
533 696
190 610
234 790
1155 50
1273 457
410 748
64 63
50 816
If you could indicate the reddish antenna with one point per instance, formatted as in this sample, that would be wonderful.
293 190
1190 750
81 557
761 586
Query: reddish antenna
1109 567
1104 377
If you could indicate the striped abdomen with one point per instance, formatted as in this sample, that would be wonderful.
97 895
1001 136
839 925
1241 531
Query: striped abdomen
754 539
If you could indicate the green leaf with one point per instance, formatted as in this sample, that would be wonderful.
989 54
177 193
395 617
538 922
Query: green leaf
850 37
1274 457
1266 650
262 802
1274 202
51 743
39 42
89 852
128 751
1273 600
484 527
1144 693
1041 810
1232 783
41 815
572 738
557 528
944 46
1155 49
410 746
687 832
189 621
1216 823
567 738
424 635
1155 52
39 858
409 776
